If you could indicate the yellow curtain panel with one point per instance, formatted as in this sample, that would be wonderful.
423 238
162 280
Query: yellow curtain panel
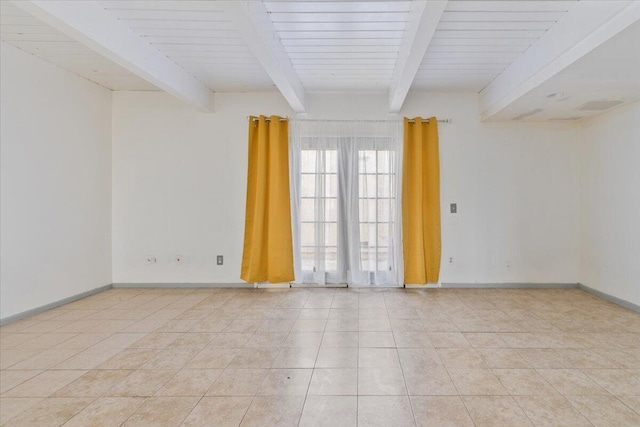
421 201
268 245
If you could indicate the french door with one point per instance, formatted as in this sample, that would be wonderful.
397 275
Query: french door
345 209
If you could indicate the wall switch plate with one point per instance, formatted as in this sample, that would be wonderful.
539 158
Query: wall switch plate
454 208
219 260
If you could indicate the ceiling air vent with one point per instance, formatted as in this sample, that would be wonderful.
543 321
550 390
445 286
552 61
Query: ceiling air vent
599 105
530 113
565 119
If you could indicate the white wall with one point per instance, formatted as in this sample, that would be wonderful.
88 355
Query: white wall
179 181
610 203
55 193
179 185
525 191
516 186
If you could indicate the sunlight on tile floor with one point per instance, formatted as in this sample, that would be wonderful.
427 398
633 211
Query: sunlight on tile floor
324 357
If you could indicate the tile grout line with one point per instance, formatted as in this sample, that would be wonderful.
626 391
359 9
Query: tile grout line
313 370
246 308
404 380
460 396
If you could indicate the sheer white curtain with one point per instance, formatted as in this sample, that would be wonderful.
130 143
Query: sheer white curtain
345 201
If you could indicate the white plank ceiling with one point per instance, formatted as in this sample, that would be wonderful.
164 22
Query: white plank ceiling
30 34
476 40
317 45
332 45
199 36
337 46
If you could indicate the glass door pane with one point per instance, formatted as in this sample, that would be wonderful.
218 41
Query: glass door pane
319 215
376 194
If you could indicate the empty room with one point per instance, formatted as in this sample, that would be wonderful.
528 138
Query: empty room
320 213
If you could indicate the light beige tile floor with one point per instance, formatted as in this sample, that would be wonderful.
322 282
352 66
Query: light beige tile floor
324 357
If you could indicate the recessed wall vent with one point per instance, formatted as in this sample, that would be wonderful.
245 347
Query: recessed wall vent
527 114
599 105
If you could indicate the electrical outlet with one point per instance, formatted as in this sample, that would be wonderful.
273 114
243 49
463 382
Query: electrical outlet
219 260
450 260
179 259
151 260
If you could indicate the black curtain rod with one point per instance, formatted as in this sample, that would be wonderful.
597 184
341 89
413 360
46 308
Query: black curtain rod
427 121
267 119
